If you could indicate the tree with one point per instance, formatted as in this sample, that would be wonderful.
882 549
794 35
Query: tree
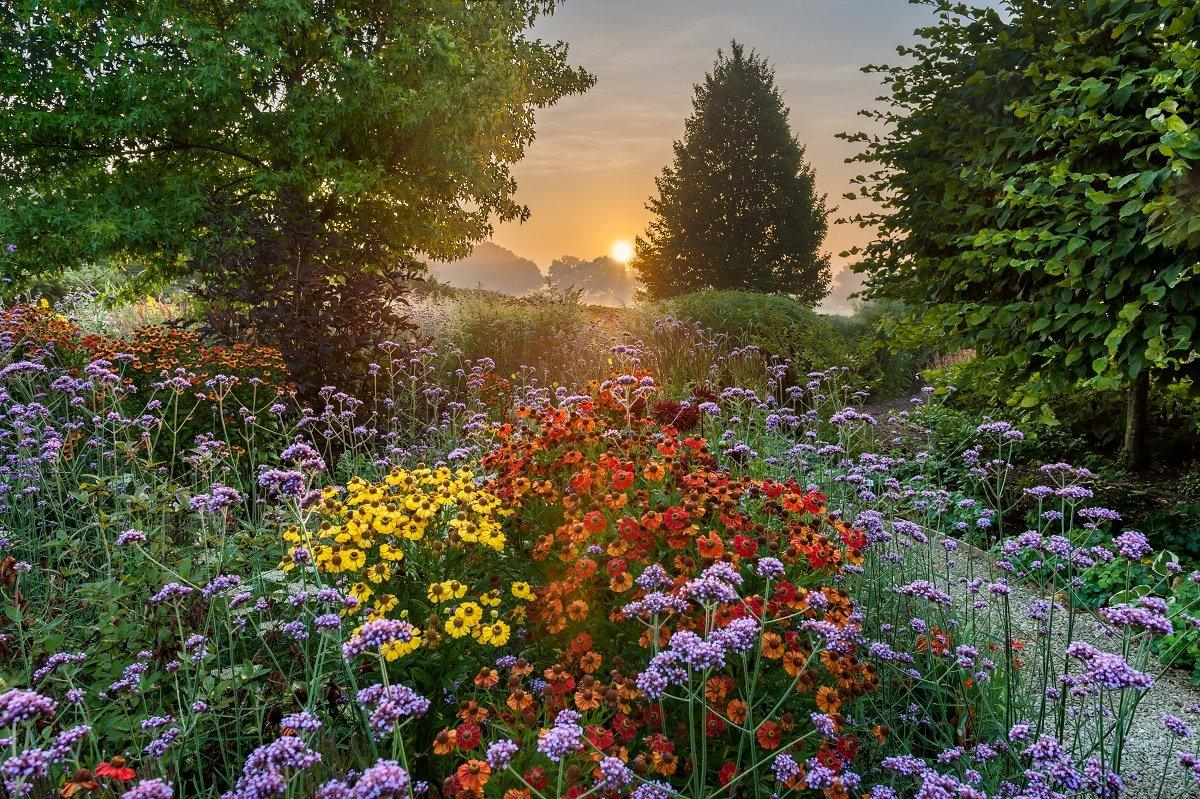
738 209
603 280
1037 192
295 157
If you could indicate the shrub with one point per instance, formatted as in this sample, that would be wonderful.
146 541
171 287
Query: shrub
779 325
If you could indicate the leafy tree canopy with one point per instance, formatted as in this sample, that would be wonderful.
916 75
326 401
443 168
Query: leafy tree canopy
279 151
1038 188
738 208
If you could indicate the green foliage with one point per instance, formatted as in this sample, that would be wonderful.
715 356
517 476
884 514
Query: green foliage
1037 188
777 324
1182 647
545 336
297 156
1077 422
738 209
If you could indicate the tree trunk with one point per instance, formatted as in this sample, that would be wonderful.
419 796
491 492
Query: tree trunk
1136 412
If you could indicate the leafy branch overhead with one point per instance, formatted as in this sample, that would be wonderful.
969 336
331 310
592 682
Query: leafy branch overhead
285 149
1038 187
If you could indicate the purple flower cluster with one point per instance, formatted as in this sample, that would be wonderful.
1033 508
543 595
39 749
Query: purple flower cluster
19 706
375 634
391 705
1106 670
565 737
925 590
267 771
501 753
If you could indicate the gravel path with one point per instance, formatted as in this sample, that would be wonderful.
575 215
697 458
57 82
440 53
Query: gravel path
1149 744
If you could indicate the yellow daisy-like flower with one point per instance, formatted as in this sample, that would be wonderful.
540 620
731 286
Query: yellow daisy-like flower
470 612
457 627
522 591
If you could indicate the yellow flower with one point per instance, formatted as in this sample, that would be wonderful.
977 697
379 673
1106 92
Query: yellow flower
491 598
457 627
496 634
469 612
522 591
379 572
389 552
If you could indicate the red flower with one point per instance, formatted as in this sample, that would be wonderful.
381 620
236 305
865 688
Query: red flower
537 779
744 545
769 735
784 592
468 735
854 538
624 726
676 518
727 773
594 522
116 769
616 567
599 737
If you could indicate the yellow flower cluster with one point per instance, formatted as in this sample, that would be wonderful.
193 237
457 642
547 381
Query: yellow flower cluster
365 526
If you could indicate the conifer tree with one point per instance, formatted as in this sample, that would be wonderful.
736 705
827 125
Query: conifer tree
738 208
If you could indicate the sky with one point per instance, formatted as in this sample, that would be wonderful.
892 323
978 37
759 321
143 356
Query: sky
588 175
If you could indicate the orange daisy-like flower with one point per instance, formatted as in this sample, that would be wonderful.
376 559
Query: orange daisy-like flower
445 742
710 546
736 711
81 780
828 700
487 678
794 663
577 610
590 662
664 763
473 774
769 735
772 646
653 472
621 583
520 700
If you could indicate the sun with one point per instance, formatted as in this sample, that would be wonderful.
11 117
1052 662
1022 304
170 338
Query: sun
622 251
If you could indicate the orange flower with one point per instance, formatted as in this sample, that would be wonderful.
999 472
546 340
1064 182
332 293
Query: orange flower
81 780
710 546
665 763
828 700
590 662
772 646
577 610
736 710
621 583
445 742
653 472
487 678
520 700
473 774
769 735
794 663
880 732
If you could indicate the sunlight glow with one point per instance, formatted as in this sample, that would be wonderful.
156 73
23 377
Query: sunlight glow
622 251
